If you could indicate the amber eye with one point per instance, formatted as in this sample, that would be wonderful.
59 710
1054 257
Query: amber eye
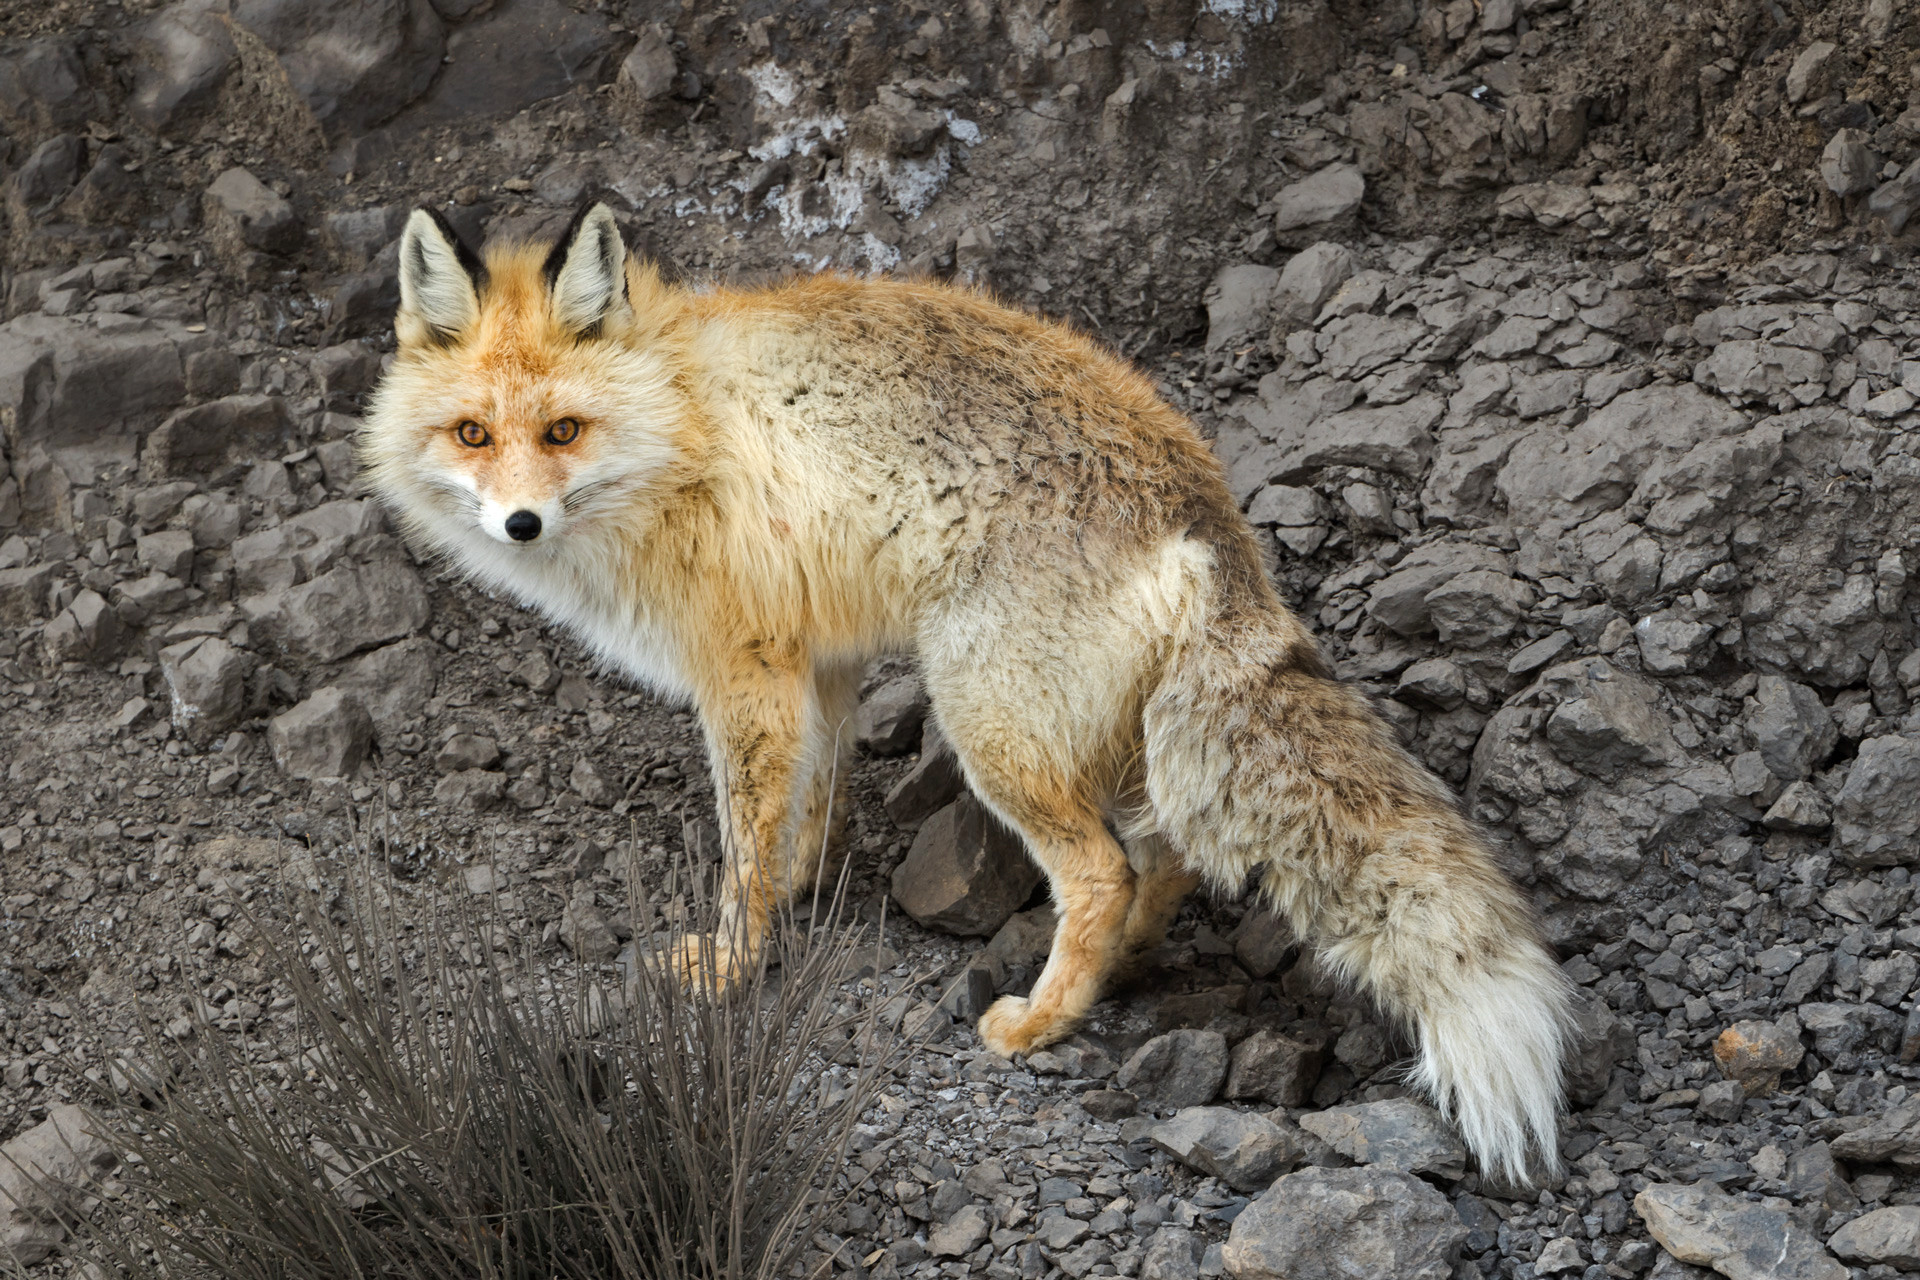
472 434
565 431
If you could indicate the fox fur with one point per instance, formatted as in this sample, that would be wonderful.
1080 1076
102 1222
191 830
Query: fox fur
768 487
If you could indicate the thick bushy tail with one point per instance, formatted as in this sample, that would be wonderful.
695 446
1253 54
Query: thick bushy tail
1257 761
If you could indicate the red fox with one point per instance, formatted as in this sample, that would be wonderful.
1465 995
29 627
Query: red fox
739 497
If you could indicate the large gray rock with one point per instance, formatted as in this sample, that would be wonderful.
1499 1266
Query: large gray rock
1890 1236
966 873
514 56
69 383
1849 164
1345 1224
887 721
1243 1149
1308 280
1608 720
1479 608
183 54
42 1172
1319 198
88 630
353 63
207 684
1400 601
1183 1068
326 736
394 682
1891 1137
1393 438
1237 303
349 608
244 214
1896 200
207 437
1398 1134
43 86
650 68
1741 1240
1561 475
1876 816
1274 1068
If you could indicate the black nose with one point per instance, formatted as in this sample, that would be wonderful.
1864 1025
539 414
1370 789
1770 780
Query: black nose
523 526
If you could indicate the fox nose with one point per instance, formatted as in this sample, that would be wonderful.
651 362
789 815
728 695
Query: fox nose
523 526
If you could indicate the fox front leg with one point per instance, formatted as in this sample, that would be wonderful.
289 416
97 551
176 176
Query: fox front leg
756 743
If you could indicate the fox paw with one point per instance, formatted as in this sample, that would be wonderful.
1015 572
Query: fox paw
705 963
1011 1026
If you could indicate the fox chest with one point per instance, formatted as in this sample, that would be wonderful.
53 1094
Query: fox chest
608 619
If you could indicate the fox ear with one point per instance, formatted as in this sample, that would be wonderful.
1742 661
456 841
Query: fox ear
587 270
440 279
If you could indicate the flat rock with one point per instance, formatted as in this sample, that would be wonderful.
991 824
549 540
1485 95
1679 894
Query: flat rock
1244 1149
1319 198
1890 1236
1345 1224
1398 1134
1890 1137
1393 438
1741 1240
341 612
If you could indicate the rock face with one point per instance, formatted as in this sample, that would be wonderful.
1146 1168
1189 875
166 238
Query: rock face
966 873
1345 1224
1737 1238
351 64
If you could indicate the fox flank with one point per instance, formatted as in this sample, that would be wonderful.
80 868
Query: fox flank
739 497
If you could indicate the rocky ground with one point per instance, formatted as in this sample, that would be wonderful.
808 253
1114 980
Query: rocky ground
1568 351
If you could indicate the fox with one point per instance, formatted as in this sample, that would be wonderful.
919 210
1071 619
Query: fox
739 497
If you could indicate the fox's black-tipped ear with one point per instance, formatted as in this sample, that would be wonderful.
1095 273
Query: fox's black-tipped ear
440 278
587 270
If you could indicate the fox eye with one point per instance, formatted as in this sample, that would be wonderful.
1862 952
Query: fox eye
472 434
565 431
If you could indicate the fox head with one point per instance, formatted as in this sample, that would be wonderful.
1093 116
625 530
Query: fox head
526 403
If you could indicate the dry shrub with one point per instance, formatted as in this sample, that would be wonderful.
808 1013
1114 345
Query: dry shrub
453 1116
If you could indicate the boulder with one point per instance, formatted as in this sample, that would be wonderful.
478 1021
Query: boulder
1243 1149
1183 1068
1398 1134
1320 198
1345 1224
1876 815
352 63
966 873
43 1172
326 736
207 684
1705 1226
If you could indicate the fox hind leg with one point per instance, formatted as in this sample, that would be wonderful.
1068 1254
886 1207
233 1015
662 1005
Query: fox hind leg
1162 881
